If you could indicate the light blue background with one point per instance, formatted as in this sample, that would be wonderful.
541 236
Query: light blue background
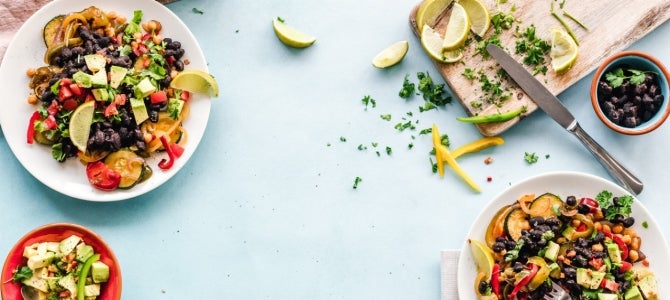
265 209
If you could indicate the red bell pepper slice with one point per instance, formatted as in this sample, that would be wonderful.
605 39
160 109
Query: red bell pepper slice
592 204
495 281
622 245
30 135
185 95
177 150
166 164
625 266
524 281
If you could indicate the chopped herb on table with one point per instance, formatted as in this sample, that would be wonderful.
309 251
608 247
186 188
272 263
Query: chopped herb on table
197 11
530 158
367 100
385 117
357 180
343 139
407 88
613 206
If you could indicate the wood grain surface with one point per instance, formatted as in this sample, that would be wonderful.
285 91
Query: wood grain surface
612 25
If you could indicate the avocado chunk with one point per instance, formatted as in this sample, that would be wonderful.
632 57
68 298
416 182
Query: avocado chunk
68 244
92 290
37 282
116 75
84 252
40 260
604 296
139 110
99 80
588 278
99 272
83 79
101 94
67 282
633 294
95 62
144 88
552 251
649 287
614 252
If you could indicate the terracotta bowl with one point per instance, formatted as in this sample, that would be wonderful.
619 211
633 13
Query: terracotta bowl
110 290
631 60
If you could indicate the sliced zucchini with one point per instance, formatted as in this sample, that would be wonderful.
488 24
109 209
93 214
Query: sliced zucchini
52 32
128 164
496 227
544 206
515 222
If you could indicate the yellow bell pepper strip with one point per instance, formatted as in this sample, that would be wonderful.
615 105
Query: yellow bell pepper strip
493 118
443 155
477 145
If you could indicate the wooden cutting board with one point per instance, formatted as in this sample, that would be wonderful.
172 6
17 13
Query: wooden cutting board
612 26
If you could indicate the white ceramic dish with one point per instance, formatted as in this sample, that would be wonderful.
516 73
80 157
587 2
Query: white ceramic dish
565 184
27 51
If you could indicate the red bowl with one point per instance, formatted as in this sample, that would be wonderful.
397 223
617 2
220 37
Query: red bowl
10 290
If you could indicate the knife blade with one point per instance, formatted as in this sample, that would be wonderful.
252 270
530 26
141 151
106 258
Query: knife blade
553 107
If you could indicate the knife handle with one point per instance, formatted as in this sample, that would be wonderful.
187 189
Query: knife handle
625 177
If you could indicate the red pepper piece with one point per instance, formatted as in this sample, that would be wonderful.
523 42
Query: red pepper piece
185 95
609 284
622 246
592 204
166 164
30 135
596 263
581 227
533 270
111 110
625 266
495 281
177 150
120 99
53 108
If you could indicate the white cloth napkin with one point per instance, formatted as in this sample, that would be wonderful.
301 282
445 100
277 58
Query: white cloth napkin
448 267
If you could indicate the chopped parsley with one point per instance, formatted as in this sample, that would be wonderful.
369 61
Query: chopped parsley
197 11
402 126
530 158
343 139
280 19
389 150
533 48
426 131
469 73
613 206
407 88
357 180
433 93
361 147
514 253
22 274
645 224
367 100
385 117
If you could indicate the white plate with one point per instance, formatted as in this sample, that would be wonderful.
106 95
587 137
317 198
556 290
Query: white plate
27 51
565 184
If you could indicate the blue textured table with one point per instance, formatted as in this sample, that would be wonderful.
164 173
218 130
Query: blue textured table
266 207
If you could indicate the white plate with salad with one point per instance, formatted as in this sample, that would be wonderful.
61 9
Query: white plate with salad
564 184
27 50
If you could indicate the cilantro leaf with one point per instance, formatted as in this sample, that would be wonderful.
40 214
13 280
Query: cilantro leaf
22 274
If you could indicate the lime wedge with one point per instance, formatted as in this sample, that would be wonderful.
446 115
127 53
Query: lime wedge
483 257
458 28
432 43
480 19
391 55
563 50
80 125
196 81
429 11
291 36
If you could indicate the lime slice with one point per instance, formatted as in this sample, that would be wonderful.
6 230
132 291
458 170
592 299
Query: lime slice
80 125
196 81
480 19
291 36
391 55
483 257
429 11
458 28
432 43
563 50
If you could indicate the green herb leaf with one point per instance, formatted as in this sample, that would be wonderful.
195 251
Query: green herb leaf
530 158
22 274
357 180
197 11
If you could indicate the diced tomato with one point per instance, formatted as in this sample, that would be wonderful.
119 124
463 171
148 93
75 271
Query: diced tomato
596 263
185 95
120 99
64 92
158 97
102 177
609 285
581 227
70 104
53 108
625 266
65 81
76 89
110 110
50 123
89 97
590 203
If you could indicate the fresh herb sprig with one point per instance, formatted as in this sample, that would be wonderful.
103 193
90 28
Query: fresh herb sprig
613 206
618 76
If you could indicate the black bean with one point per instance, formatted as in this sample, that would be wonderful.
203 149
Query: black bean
628 222
179 65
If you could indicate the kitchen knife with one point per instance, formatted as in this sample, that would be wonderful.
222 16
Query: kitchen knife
555 109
